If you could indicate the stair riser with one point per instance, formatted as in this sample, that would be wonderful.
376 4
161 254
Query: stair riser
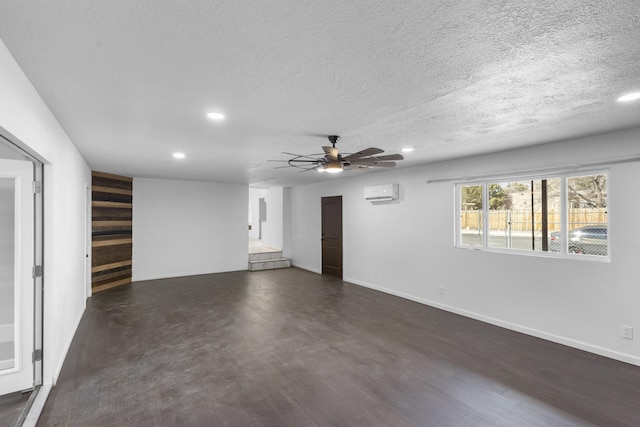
265 256
269 265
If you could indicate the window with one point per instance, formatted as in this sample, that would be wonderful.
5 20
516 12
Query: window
587 221
556 215
471 215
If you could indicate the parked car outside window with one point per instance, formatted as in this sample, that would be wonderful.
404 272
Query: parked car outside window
590 240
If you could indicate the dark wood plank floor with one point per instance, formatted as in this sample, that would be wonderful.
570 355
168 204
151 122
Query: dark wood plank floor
292 348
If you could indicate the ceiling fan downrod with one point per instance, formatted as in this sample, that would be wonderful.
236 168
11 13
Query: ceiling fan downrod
333 139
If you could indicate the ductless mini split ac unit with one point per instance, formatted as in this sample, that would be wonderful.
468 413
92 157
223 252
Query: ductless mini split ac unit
381 193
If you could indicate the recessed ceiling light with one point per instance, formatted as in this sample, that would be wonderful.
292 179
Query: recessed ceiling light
633 96
216 116
407 150
178 155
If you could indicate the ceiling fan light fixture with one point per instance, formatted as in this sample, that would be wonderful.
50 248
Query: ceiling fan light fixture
331 161
333 167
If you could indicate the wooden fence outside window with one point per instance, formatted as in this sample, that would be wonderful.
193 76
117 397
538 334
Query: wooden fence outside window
520 220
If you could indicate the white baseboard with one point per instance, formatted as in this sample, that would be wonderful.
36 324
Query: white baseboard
623 357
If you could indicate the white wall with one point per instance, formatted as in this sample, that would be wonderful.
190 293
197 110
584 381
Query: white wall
273 227
287 220
183 228
24 115
406 248
255 194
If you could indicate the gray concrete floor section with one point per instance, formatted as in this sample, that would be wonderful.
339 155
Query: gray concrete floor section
294 348
11 408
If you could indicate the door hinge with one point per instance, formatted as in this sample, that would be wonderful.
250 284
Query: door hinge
37 187
36 271
36 356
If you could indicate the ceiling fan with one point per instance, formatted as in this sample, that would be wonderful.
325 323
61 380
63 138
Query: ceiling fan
333 161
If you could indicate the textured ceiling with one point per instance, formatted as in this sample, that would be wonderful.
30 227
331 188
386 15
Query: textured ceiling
131 81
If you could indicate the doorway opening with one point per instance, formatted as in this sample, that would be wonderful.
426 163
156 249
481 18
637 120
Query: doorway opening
266 229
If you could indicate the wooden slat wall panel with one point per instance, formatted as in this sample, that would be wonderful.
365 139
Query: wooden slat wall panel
112 181
110 254
107 214
106 267
103 194
112 202
101 241
103 284
116 272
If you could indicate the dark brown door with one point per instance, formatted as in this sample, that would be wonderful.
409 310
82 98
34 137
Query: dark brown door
332 236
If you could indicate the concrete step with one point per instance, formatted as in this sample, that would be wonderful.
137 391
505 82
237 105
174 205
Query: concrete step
265 256
269 264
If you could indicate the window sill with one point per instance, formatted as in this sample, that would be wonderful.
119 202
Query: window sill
539 254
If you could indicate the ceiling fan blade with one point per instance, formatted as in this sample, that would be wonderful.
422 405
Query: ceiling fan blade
297 155
364 162
371 162
371 151
391 157
309 169
353 167
332 152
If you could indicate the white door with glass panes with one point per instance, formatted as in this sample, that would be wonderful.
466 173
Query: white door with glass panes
16 275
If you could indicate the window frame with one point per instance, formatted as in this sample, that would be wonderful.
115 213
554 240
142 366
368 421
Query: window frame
563 176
